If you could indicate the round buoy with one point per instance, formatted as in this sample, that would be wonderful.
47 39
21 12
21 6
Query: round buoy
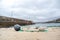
17 27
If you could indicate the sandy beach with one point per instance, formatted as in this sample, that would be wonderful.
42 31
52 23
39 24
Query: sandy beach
10 34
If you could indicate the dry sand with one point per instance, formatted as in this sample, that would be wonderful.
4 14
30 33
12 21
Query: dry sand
10 34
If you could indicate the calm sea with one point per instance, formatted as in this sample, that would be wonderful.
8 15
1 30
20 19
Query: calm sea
49 24
45 24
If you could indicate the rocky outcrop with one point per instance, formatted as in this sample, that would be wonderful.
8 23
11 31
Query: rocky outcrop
7 21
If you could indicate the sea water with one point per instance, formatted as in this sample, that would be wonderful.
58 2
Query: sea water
49 24
45 24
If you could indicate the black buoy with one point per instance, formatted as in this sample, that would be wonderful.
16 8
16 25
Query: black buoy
17 27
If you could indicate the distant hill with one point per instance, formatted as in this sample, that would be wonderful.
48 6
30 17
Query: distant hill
54 21
8 21
51 21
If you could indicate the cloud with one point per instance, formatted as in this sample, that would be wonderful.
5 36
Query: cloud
35 10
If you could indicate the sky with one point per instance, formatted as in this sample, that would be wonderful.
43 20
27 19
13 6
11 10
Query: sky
35 10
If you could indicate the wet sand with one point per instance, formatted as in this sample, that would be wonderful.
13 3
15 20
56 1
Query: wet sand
10 34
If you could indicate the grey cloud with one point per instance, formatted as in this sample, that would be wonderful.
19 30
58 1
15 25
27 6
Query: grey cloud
33 9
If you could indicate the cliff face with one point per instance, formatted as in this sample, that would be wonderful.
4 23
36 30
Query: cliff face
7 21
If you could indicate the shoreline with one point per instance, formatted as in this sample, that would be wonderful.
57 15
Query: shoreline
10 34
